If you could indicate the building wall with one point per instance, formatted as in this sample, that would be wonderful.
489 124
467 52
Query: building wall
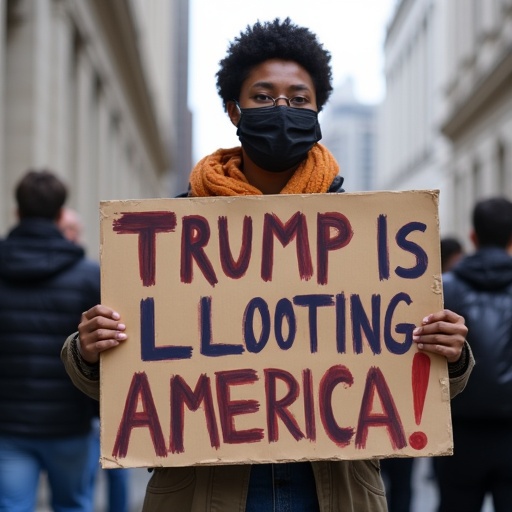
182 116
477 105
80 95
446 119
410 147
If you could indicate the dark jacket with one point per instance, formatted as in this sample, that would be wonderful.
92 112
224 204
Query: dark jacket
480 289
45 285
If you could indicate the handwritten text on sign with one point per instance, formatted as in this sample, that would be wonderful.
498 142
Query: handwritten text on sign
271 328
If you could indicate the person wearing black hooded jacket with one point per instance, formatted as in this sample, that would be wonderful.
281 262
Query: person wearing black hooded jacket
45 284
480 289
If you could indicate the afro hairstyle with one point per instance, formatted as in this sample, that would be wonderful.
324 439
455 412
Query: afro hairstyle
274 40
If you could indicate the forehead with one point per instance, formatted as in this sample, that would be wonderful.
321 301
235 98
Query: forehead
279 75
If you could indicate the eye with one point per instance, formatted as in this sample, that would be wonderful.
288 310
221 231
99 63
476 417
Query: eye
299 101
263 99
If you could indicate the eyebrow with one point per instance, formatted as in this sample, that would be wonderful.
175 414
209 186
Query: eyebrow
270 85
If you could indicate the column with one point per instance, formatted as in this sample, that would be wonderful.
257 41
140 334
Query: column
83 150
465 194
42 73
61 101
3 182
489 166
104 170
114 160
448 201
506 159
490 16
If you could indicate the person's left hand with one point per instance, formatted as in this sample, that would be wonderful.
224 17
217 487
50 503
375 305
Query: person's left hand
442 333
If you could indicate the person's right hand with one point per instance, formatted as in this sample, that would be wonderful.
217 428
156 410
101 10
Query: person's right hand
99 330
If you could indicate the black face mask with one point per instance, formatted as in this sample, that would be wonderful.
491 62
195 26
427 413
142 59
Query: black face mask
278 138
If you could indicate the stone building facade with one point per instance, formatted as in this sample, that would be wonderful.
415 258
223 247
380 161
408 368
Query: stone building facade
85 90
446 121
477 106
409 144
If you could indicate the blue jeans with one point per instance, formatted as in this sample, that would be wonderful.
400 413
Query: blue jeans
66 462
285 487
117 479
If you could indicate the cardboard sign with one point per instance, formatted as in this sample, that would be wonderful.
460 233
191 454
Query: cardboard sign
272 328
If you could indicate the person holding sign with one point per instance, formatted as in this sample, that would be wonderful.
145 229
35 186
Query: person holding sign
273 81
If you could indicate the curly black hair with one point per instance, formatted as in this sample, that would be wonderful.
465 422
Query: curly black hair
274 40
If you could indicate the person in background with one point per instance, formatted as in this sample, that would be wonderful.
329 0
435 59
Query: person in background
273 81
45 284
480 288
451 253
71 226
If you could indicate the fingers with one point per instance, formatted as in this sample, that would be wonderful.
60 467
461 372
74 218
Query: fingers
99 330
444 315
442 333
100 310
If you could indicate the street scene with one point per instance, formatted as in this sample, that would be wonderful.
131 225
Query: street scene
243 237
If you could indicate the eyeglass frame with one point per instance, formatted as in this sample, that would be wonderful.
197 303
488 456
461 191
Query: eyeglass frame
275 100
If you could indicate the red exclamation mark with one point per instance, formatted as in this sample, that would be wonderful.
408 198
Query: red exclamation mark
420 376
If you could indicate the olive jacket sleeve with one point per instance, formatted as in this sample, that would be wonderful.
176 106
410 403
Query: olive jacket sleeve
86 376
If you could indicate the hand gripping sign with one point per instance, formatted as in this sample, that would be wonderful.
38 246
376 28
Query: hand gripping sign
272 328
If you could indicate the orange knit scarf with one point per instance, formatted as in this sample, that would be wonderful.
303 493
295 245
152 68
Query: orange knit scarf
219 174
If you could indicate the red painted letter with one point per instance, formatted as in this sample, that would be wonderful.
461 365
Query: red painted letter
389 417
146 225
277 407
296 227
195 235
181 394
228 408
334 376
232 268
326 243
148 417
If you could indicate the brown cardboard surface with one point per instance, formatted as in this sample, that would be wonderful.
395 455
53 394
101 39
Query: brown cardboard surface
271 328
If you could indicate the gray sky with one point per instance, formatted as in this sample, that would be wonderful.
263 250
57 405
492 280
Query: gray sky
352 30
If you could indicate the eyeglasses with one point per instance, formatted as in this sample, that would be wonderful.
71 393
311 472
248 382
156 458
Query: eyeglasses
264 100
